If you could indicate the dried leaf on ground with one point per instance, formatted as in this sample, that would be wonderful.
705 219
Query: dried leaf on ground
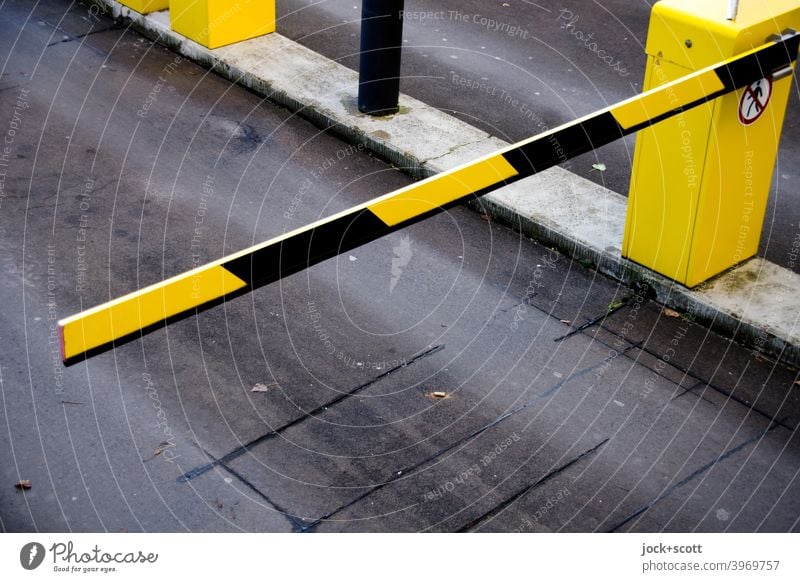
439 394
162 447
23 484
671 312
262 387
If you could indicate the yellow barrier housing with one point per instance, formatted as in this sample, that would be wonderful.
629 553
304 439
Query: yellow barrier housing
145 6
701 179
216 23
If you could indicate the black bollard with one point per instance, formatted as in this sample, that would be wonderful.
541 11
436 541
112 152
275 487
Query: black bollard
381 49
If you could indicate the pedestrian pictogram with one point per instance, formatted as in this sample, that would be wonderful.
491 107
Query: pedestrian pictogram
755 99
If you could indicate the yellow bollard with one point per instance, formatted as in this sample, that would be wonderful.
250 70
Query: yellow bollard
145 6
215 23
700 180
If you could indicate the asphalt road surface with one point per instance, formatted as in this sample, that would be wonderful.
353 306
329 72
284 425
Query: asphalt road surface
434 380
540 65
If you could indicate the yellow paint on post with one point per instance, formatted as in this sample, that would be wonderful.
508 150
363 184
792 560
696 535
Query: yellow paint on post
701 179
663 205
145 6
216 23
135 311
736 183
712 38
440 190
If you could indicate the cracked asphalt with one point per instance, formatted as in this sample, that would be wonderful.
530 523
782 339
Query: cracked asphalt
419 383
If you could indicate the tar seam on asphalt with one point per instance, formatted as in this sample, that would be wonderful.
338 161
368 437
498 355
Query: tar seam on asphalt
296 523
689 390
239 451
406 472
692 476
499 508
595 320
71 38
700 381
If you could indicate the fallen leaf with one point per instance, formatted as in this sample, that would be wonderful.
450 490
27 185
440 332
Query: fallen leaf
353 259
599 167
797 383
23 484
566 321
162 447
439 394
671 312
262 387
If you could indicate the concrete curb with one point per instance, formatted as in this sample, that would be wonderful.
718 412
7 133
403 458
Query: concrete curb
757 304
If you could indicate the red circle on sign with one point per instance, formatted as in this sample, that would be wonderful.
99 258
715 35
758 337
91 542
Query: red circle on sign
754 101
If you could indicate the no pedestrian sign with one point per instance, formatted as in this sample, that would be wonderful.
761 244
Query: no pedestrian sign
754 101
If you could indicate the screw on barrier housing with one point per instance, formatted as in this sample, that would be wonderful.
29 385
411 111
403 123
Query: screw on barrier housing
381 49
